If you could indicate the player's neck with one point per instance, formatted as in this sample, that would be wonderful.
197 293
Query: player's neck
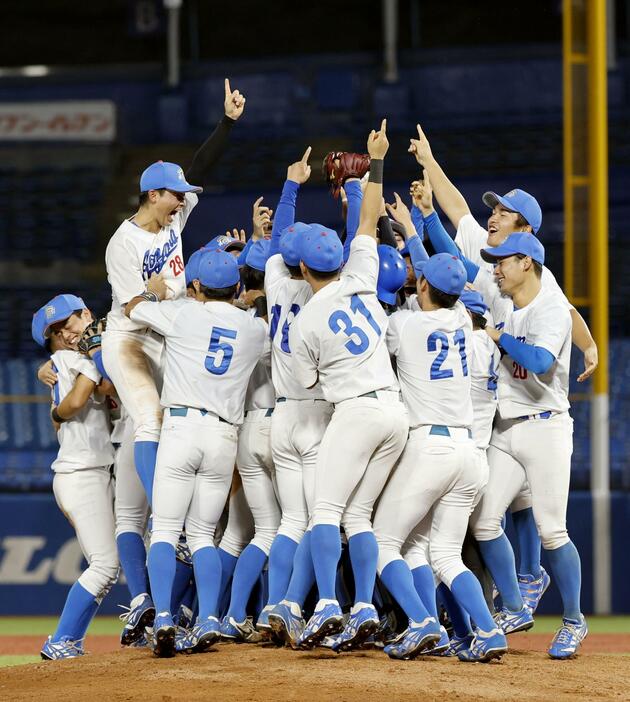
145 220
317 285
526 291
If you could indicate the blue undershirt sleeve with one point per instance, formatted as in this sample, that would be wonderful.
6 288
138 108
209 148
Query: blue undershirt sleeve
418 253
442 243
284 215
418 221
98 362
534 358
355 198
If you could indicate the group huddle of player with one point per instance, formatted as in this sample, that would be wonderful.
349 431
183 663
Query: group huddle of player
307 422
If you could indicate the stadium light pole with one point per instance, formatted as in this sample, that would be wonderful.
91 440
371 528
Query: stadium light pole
173 73
390 40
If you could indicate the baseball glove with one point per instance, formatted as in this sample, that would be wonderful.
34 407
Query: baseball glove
338 166
91 337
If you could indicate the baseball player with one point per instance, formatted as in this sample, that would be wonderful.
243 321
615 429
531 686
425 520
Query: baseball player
254 461
300 415
433 349
147 244
338 342
211 350
83 484
532 439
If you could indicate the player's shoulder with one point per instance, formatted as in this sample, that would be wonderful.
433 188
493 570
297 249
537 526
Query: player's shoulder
399 319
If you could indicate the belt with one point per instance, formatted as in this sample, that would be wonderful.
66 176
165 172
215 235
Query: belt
315 399
183 412
268 412
441 430
374 394
541 415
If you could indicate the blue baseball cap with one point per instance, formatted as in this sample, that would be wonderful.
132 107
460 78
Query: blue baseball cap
473 301
163 174
191 272
321 249
516 243
392 273
37 327
290 242
223 242
258 254
445 273
218 269
59 309
517 201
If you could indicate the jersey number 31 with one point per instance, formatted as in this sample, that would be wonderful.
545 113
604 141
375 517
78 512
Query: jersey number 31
339 321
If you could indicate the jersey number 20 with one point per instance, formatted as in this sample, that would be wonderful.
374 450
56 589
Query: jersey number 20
220 352
441 339
339 321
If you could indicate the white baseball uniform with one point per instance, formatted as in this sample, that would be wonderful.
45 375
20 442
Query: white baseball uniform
439 473
533 435
339 340
300 416
132 354
83 484
211 349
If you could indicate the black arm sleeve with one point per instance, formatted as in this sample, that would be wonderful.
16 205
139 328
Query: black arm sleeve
385 231
210 152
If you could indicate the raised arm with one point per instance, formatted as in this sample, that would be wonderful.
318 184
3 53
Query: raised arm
354 196
297 174
448 196
214 146
400 212
75 400
372 199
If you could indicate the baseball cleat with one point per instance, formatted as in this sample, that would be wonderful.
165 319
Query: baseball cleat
59 650
262 624
568 639
512 622
485 647
457 644
184 617
362 624
329 641
136 619
419 637
532 589
164 632
287 623
327 620
440 646
239 631
228 631
204 634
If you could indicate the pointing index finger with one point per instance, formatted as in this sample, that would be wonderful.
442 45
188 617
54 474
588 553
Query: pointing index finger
384 125
228 90
307 154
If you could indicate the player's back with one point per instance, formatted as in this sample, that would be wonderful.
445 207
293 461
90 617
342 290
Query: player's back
260 391
433 357
211 351
484 366
344 328
84 440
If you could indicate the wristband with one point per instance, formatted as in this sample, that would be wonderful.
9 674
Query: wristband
150 296
56 416
376 170
260 305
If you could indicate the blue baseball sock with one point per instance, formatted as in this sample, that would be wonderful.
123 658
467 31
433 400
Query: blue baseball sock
280 565
567 572
248 568
424 582
145 456
133 559
207 566
397 578
499 558
161 565
181 581
326 551
228 563
341 587
456 613
363 557
79 605
468 592
303 576
528 542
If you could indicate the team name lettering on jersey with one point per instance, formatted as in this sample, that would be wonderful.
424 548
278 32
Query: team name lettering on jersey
153 262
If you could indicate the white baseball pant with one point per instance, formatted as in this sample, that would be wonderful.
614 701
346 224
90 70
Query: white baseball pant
239 530
537 451
297 428
361 445
134 362
86 497
193 474
130 506
428 501
255 466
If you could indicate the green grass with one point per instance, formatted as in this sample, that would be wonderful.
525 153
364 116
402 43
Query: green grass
111 626
6 661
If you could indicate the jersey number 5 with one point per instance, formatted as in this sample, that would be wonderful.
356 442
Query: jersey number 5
340 321
441 339
220 352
